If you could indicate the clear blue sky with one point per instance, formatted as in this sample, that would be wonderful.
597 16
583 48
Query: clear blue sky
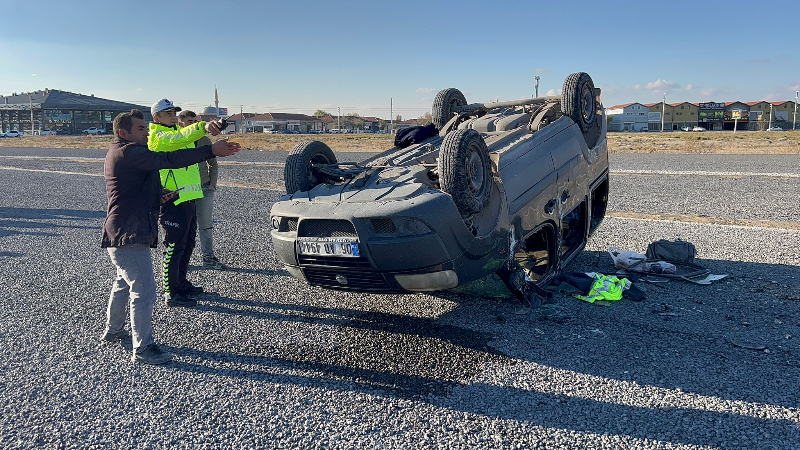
291 56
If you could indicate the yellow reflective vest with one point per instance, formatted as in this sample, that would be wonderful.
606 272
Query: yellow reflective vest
605 287
168 139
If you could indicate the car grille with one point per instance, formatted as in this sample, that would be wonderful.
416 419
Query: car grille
334 261
356 280
326 228
291 223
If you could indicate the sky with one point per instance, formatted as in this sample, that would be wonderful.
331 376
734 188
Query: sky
361 56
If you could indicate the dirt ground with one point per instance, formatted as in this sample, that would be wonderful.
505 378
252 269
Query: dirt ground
743 142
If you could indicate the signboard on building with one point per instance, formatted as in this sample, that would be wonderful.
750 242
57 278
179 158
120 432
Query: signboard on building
654 117
222 112
711 112
737 114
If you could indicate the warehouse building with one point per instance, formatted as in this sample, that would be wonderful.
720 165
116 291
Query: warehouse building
61 111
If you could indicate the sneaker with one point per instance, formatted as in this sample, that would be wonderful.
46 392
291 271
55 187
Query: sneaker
213 263
179 301
188 289
151 354
115 337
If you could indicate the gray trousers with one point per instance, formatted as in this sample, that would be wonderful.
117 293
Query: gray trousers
205 223
134 286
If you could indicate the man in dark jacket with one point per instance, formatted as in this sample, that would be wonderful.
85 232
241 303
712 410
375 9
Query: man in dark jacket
130 230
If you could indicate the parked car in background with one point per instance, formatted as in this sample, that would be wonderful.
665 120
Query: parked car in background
686 128
314 131
698 129
94 130
775 128
43 132
13 133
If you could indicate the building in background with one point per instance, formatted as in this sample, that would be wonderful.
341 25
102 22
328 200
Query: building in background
61 111
684 115
708 115
282 123
628 117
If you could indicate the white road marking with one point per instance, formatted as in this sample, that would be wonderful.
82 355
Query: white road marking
705 173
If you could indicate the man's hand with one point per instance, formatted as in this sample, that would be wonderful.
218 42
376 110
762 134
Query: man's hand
213 128
167 195
224 148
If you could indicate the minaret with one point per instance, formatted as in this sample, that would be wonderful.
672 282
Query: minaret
216 99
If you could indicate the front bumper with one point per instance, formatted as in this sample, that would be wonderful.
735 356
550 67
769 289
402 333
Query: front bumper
440 255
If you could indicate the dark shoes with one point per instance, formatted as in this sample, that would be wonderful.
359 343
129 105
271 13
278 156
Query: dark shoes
151 354
113 338
180 301
213 263
190 289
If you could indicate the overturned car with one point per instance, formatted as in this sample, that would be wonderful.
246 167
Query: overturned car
514 188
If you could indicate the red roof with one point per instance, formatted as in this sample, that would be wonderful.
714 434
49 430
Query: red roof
620 106
283 116
241 116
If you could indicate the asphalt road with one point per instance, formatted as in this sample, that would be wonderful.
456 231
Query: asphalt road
268 362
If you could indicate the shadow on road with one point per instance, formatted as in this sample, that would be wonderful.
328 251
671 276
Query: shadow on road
691 354
42 222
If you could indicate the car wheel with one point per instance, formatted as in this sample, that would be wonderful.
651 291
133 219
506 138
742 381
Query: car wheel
580 104
465 171
298 173
444 105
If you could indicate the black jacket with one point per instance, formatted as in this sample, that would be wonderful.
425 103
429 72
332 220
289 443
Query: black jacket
133 187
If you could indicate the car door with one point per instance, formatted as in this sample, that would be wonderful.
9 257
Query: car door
571 192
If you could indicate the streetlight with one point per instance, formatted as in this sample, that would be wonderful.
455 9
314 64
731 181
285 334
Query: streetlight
537 85
770 117
794 122
663 110
339 120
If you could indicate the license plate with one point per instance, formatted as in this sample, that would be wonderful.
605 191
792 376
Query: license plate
328 247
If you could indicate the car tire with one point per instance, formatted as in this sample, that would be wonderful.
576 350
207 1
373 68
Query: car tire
444 105
580 104
298 174
465 171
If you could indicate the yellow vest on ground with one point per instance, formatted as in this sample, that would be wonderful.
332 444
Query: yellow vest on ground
168 139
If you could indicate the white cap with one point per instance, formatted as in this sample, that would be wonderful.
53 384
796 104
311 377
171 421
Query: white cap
163 105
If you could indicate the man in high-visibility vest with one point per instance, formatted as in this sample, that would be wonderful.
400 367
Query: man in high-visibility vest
178 218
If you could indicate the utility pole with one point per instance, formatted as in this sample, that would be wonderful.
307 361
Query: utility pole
391 117
537 85
663 110
794 122
339 119
770 117
30 99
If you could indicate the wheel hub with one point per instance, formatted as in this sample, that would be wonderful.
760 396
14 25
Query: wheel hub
474 171
587 104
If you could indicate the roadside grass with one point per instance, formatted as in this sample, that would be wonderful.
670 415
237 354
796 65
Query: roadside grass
676 142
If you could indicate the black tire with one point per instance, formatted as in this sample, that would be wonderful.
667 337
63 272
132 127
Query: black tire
579 103
444 105
465 171
298 175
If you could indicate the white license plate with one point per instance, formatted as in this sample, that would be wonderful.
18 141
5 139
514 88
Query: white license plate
328 247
